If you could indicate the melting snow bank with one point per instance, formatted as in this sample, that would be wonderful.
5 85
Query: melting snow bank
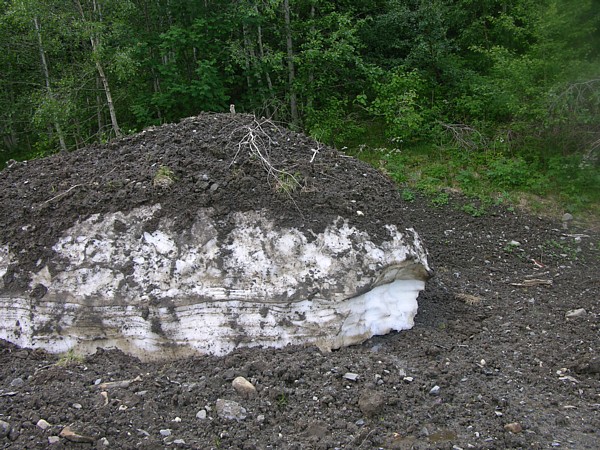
129 280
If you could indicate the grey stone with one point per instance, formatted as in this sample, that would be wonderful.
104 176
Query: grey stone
435 390
351 376
17 382
575 313
44 425
4 428
228 409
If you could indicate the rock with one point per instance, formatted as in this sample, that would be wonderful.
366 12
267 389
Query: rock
566 219
17 382
243 387
370 402
201 414
316 431
102 443
230 410
43 424
166 432
4 428
70 435
435 390
342 277
514 427
351 376
52 440
575 313
591 365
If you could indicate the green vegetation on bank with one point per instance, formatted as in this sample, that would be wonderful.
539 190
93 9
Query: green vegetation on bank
494 98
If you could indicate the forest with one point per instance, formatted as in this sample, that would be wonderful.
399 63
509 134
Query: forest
489 97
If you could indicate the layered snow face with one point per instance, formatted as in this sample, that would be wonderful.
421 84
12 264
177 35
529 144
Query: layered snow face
132 281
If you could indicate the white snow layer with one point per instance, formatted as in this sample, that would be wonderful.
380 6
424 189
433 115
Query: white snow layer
164 293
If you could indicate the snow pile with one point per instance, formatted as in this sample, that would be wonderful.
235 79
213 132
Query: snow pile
165 292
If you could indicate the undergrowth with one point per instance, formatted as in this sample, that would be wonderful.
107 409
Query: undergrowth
489 177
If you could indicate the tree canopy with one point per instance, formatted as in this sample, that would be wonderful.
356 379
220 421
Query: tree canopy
519 71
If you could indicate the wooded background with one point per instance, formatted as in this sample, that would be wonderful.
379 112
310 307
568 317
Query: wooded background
508 75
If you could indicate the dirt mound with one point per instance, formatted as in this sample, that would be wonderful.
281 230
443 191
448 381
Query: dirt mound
232 162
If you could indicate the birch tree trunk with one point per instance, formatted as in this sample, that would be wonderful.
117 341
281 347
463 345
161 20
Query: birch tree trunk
95 41
38 32
290 61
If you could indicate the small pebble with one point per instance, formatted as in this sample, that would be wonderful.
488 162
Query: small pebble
228 409
17 382
434 390
351 376
4 428
514 427
165 432
575 313
201 414
43 424
243 387
53 440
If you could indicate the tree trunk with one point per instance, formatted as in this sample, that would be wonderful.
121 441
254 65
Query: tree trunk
109 100
311 71
246 54
261 52
61 138
95 41
290 61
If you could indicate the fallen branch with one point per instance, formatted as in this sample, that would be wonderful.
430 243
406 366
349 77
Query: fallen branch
63 193
533 282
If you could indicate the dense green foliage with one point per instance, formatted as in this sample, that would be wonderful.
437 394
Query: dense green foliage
485 96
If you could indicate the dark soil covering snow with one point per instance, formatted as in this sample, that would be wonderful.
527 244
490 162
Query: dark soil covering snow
493 361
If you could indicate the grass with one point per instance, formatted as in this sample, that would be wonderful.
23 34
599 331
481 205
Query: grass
69 358
287 183
546 183
164 177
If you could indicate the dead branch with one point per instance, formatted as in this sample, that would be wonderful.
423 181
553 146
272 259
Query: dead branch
464 136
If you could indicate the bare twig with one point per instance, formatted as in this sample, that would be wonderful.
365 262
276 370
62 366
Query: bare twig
63 193
464 136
